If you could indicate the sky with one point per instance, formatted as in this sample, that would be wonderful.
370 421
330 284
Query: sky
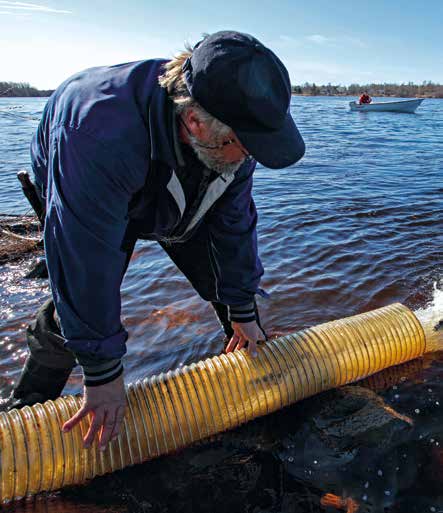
341 41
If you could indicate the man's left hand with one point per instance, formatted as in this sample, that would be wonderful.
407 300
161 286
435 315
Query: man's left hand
245 333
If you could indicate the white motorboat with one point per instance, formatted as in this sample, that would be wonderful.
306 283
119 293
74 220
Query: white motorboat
397 106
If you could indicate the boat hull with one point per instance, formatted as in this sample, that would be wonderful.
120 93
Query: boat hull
399 106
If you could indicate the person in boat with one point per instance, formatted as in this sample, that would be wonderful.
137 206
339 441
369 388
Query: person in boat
160 150
365 98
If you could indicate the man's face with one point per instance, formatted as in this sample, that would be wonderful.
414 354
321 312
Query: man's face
222 153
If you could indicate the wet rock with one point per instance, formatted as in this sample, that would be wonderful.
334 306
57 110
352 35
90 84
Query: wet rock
358 446
281 463
343 443
38 270
353 415
19 237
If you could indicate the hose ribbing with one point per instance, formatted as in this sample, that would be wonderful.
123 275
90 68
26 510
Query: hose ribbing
172 410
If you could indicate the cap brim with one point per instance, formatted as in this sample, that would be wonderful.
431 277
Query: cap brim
276 149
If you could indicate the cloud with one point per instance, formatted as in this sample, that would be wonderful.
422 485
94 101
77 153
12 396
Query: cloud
16 13
288 39
355 41
285 42
341 41
25 8
319 39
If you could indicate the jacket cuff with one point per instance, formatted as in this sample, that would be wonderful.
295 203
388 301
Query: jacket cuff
100 374
113 347
242 313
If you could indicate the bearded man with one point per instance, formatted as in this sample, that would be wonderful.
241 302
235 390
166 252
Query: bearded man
160 150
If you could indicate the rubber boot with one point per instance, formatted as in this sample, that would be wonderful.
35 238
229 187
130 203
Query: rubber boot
37 384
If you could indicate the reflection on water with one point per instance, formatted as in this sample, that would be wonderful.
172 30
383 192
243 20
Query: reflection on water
355 226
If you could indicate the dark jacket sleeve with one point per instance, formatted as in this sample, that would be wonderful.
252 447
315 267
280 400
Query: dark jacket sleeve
88 191
233 246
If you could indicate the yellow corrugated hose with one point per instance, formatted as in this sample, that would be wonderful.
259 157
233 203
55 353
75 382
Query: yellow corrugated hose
172 410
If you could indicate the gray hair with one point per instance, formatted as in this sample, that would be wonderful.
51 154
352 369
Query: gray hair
173 81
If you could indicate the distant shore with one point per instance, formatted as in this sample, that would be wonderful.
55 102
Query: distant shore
43 95
293 94
22 90
375 95
409 90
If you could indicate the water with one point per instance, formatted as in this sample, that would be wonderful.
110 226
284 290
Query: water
355 226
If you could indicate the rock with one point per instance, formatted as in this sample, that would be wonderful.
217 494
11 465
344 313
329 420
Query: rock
38 270
349 450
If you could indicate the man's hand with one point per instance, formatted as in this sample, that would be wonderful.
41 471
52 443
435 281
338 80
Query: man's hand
245 333
107 405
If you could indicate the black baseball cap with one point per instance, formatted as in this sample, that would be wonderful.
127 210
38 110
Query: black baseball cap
242 83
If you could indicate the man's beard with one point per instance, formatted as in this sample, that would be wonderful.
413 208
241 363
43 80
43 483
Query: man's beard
212 160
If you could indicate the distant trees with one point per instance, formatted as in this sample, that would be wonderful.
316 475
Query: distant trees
427 89
8 89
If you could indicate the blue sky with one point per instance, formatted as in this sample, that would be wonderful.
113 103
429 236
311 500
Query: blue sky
340 41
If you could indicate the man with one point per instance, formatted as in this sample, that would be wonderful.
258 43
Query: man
365 98
161 150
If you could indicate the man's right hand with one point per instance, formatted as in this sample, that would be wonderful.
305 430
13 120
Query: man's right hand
107 405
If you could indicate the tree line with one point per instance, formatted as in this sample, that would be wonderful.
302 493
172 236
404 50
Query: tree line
427 89
9 89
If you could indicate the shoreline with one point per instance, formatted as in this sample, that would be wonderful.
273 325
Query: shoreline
373 96
424 97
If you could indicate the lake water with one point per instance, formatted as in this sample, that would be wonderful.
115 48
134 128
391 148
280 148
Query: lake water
356 225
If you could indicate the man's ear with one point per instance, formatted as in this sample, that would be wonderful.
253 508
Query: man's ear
194 123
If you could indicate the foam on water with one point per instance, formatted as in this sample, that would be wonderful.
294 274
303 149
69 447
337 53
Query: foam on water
431 318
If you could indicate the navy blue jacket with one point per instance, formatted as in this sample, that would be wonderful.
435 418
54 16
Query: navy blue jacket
104 159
